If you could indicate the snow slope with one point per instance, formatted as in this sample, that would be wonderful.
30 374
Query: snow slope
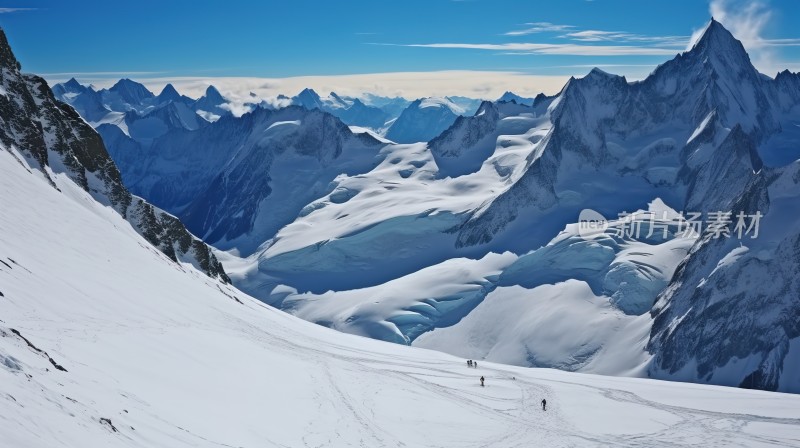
104 341
528 310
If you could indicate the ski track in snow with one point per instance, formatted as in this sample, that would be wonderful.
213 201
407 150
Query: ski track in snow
521 414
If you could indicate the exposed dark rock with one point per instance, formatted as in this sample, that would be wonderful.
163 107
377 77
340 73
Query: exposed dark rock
38 350
107 422
42 128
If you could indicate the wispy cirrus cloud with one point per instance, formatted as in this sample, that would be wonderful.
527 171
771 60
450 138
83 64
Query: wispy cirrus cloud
555 49
574 33
582 42
10 10
539 27
624 37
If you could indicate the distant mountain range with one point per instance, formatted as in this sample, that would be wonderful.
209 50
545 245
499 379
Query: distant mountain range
127 102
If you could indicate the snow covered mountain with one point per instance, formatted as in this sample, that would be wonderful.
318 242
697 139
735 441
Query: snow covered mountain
211 105
169 93
309 99
423 120
83 98
128 99
359 114
467 106
105 341
511 96
352 111
238 180
693 135
460 243
52 139
127 93
393 106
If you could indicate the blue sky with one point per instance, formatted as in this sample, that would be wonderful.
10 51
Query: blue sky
274 39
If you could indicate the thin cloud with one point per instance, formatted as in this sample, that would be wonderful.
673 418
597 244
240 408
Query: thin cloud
92 74
572 32
598 65
621 37
10 10
555 49
781 42
539 27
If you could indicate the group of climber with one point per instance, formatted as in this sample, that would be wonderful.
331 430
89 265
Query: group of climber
471 363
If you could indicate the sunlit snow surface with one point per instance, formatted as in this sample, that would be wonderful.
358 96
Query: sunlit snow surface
170 358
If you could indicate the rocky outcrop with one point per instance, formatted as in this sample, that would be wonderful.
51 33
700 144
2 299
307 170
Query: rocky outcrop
57 140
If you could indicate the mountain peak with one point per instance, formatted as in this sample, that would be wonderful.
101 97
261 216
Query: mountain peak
598 72
7 58
73 83
539 98
213 94
169 88
168 93
308 92
509 96
308 98
124 82
717 39
132 91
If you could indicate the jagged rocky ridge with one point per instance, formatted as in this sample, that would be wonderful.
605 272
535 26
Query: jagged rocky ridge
55 139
